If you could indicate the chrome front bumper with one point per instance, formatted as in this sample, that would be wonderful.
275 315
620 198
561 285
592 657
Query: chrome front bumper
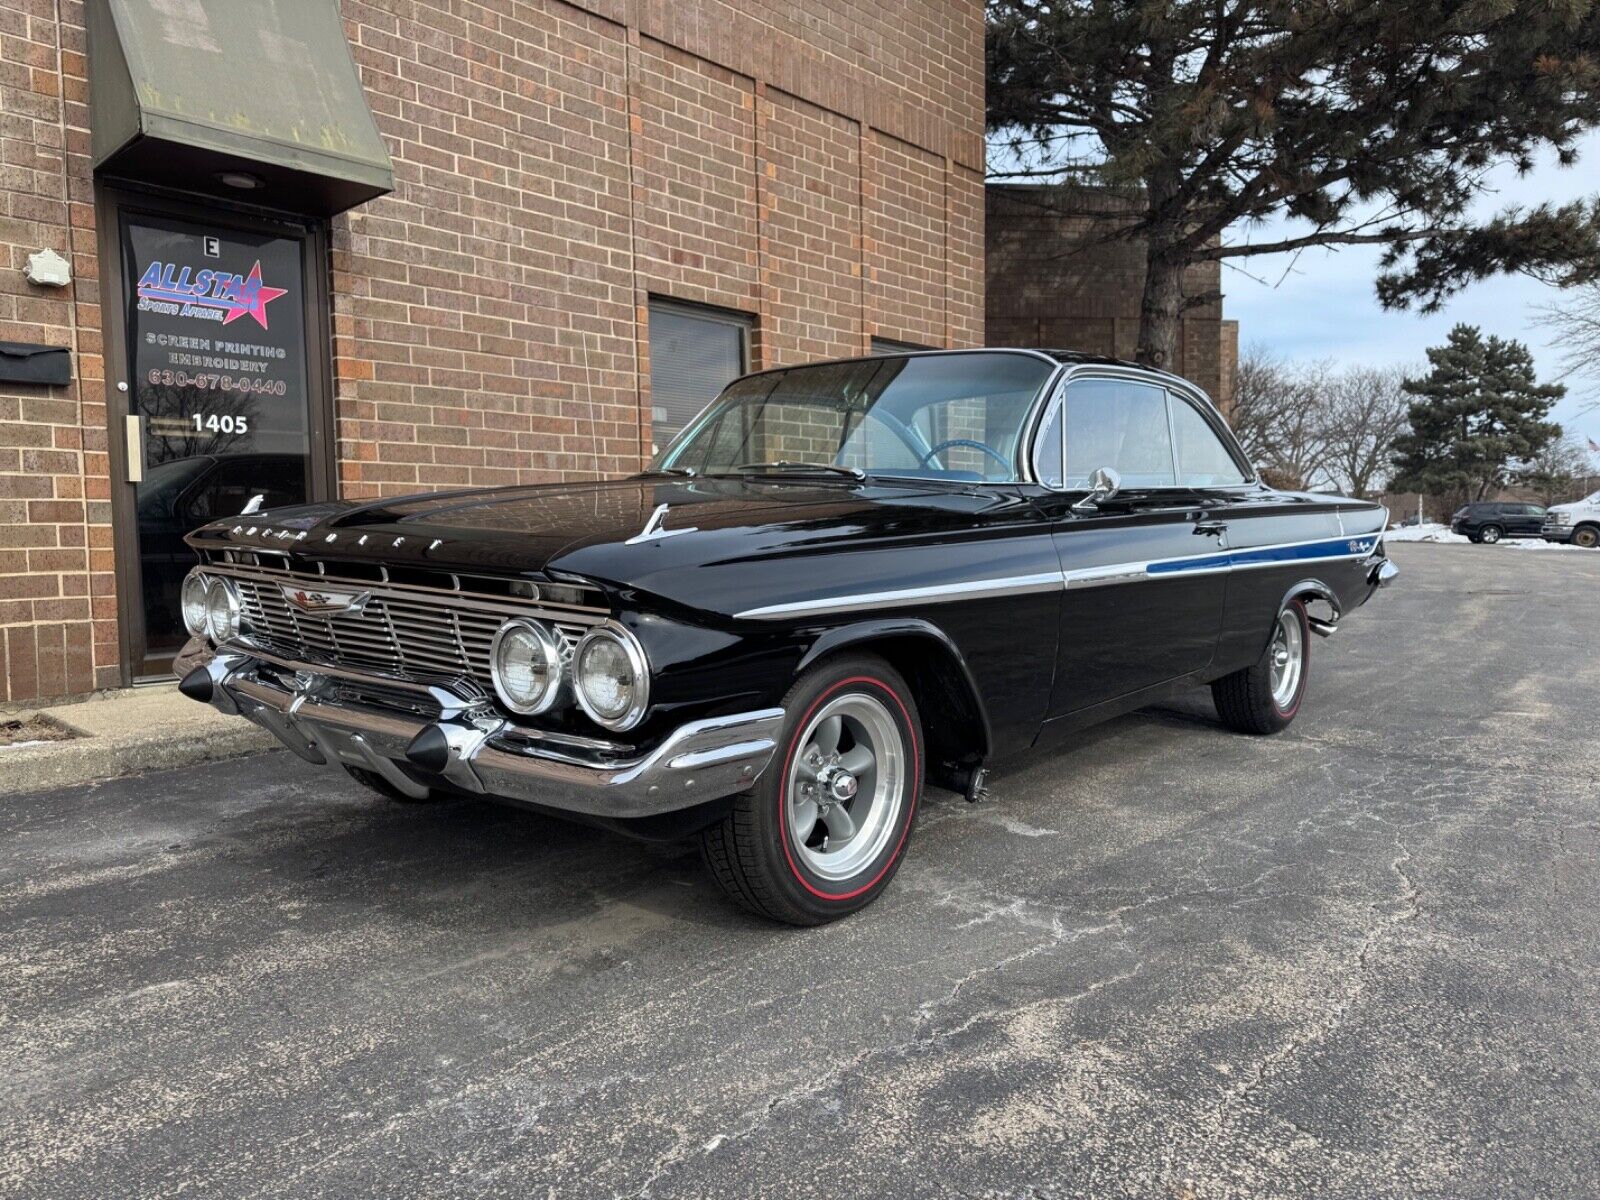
468 745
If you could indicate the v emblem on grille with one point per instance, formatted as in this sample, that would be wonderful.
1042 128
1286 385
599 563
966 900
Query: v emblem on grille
325 603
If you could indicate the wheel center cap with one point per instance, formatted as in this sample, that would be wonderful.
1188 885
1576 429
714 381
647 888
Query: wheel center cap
1282 658
841 785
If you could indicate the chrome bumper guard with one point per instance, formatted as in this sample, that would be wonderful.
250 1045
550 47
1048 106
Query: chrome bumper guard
470 746
1383 573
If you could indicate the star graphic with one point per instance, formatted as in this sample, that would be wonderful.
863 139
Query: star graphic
252 297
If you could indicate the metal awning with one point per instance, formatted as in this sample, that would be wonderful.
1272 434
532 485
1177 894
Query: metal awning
188 92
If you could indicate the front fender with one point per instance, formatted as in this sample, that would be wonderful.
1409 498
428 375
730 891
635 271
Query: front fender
899 639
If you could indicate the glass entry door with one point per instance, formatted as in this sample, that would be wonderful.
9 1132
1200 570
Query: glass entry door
218 417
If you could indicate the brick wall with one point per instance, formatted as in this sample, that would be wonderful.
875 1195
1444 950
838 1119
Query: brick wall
815 165
58 630
558 166
1056 277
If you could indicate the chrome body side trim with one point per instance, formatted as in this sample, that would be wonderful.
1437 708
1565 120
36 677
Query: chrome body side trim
301 704
978 589
1242 558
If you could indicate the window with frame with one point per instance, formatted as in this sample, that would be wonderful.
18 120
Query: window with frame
1150 436
694 354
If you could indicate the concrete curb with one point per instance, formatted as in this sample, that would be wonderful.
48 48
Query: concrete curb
125 733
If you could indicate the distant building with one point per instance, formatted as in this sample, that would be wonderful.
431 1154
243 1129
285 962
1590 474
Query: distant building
1057 277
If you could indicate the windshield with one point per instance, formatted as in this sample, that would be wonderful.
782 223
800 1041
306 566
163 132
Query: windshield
940 416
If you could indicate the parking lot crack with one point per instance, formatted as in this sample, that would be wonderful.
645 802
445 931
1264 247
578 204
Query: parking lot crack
922 1039
1408 908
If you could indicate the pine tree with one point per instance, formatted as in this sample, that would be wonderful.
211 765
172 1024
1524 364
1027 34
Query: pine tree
1478 414
1363 121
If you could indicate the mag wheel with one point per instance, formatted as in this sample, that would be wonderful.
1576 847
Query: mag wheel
825 827
1489 534
1265 697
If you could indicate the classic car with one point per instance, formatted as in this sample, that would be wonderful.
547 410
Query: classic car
839 581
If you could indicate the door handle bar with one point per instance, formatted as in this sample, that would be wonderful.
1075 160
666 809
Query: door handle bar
134 430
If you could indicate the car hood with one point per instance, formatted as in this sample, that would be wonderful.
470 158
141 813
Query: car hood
611 533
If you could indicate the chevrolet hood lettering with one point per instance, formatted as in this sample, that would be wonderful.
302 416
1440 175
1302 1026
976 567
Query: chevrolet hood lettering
321 603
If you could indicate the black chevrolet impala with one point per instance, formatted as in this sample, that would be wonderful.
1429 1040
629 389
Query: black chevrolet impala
839 581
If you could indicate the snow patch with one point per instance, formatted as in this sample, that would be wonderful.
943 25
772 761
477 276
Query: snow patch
1434 532
1431 532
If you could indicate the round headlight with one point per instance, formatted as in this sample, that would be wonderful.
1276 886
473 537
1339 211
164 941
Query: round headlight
612 677
525 664
192 602
222 611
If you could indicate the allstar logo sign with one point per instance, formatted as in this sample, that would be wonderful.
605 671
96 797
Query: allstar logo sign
205 294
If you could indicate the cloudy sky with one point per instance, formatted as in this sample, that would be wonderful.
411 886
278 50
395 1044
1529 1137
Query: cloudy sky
1321 305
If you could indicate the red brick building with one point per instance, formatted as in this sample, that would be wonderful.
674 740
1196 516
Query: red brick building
1058 276
580 219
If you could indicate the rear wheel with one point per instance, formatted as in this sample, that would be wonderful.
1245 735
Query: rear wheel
1587 536
824 829
1265 697
1490 534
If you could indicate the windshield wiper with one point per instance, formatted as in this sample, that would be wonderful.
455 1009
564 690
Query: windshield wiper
686 472
784 464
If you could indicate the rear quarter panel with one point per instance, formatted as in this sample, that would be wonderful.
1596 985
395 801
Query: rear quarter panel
1281 542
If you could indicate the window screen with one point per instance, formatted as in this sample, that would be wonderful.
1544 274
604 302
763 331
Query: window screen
693 356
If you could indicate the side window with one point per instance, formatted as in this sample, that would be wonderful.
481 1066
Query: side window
1203 460
1119 424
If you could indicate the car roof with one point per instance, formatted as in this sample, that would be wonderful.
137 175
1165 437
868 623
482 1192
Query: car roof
1074 358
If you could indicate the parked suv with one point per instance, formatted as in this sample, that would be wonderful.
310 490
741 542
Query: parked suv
1578 522
1491 520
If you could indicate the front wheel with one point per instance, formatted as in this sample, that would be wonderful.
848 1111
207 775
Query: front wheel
825 827
1586 536
1265 697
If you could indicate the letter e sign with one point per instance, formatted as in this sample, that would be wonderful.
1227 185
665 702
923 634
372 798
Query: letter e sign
213 247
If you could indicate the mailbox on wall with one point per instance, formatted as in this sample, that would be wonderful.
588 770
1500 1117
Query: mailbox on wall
24 362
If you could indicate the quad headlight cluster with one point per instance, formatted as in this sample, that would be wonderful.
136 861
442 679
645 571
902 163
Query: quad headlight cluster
608 676
210 607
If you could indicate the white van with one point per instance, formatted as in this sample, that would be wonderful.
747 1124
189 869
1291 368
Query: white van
1578 522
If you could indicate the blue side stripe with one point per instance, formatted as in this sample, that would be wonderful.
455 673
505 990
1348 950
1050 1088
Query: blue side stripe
1209 562
1343 547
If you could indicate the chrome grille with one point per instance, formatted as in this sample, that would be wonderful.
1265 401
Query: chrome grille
403 631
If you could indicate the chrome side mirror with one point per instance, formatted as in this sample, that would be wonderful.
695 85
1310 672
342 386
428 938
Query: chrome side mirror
1103 485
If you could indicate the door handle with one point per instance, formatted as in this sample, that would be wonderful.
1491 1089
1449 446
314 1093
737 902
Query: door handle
1213 527
133 428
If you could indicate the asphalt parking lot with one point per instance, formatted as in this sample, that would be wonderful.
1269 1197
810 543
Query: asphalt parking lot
1359 959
